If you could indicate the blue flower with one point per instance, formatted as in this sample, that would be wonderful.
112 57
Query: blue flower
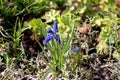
52 34
56 68
48 38
75 49
55 27
50 31
57 38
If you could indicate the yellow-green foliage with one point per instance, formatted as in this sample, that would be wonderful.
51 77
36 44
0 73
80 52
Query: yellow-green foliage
102 48
37 25
116 54
108 35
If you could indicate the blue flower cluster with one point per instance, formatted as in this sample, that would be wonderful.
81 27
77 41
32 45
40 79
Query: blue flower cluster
52 34
75 49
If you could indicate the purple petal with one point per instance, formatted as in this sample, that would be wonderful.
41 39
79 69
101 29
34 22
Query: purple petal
50 31
75 49
56 68
57 37
55 27
48 38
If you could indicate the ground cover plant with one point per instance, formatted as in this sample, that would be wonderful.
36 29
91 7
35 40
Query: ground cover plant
59 39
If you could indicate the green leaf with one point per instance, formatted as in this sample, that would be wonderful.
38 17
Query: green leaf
102 48
108 34
46 75
51 15
38 26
